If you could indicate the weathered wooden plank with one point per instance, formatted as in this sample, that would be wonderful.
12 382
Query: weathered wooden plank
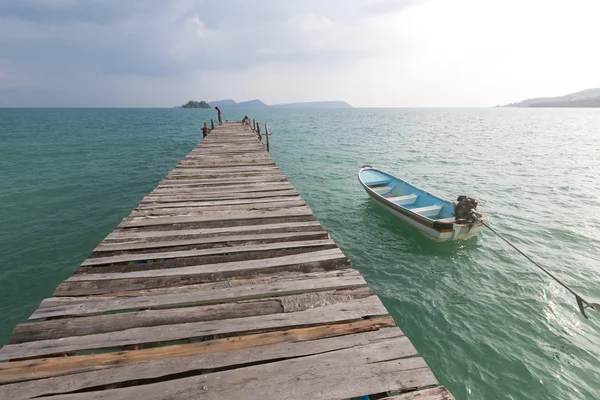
107 286
220 182
77 306
216 203
224 196
438 393
18 371
356 371
221 189
104 247
223 216
150 234
64 327
385 344
253 165
226 170
202 252
236 266
340 312
169 208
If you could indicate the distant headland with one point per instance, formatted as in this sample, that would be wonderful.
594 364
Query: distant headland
253 104
585 98
196 104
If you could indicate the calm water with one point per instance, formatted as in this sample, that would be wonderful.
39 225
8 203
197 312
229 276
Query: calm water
489 325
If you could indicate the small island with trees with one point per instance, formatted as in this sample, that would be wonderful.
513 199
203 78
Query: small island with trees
196 104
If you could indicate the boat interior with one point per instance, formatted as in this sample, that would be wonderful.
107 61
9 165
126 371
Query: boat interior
408 196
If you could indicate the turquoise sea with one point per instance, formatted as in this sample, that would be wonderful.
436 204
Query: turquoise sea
489 324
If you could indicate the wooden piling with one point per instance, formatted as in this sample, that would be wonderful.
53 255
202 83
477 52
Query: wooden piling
221 284
205 129
258 131
267 134
254 125
212 124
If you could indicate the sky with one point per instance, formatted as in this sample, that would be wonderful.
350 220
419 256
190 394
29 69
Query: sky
379 53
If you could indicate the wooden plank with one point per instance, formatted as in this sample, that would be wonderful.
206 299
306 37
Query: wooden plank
224 196
236 266
228 189
224 216
438 393
340 312
150 234
18 371
80 326
215 203
253 165
385 344
97 282
355 371
219 182
240 213
169 208
77 306
203 252
104 247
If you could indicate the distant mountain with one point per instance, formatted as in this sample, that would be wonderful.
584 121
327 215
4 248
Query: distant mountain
585 98
233 104
315 104
223 103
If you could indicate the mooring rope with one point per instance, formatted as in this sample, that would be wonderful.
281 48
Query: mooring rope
581 303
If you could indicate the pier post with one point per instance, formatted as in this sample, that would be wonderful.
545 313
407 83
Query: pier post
267 135
212 124
205 129
254 125
258 131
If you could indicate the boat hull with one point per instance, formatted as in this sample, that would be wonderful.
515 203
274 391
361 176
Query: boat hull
434 230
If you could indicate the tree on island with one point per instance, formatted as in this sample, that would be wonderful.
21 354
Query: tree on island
196 104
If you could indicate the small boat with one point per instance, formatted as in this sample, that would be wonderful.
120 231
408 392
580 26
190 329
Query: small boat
436 218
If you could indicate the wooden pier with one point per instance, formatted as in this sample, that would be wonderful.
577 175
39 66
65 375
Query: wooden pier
221 284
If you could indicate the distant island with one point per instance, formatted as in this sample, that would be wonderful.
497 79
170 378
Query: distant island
254 104
585 98
196 104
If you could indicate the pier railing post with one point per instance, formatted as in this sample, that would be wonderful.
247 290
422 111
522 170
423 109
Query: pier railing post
258 131
267 135
212 124
205 129
254 125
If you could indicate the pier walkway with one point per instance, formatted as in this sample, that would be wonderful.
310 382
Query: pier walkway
221 284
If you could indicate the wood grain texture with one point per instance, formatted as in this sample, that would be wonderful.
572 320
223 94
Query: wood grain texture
79 326
195 253
148 233
388 341
348 311
260 264
78 306
18 371
356 371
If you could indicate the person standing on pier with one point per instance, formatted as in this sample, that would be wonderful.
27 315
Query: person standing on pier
219 115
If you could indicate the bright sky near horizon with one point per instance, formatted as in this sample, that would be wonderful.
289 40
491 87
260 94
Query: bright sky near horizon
379 53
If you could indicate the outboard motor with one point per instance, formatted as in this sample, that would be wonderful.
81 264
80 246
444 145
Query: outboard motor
464 209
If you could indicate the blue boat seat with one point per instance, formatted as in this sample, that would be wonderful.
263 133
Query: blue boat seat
404 200
428 211
382 190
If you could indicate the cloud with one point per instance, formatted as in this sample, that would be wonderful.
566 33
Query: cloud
383 52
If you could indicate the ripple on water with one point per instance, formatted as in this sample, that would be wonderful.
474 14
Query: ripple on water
489 325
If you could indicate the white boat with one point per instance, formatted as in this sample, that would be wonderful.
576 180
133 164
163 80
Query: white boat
438 219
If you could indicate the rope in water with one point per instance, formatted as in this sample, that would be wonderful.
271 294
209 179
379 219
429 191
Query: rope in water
580 301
